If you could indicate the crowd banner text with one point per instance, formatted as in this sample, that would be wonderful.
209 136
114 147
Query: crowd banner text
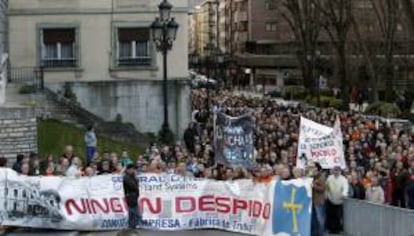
233 140
168 202
320 143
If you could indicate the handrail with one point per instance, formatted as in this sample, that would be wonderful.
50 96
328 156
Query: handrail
363 218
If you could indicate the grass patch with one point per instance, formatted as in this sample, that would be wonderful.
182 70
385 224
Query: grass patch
54 136
27 89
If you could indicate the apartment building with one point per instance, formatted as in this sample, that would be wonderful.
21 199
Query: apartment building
104 50
262 45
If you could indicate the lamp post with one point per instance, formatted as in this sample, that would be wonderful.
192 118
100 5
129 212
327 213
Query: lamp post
220 65
164 32
208 49
317 76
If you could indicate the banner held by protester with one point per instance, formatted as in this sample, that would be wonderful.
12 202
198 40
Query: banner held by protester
320 143
168 202
233 140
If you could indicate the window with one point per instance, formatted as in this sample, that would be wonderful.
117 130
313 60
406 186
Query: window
400 27
270 4
134 47
58 47
15 192
271 27
242 26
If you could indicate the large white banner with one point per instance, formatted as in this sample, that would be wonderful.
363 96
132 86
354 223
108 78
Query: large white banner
95 203
168 202
172 202
320 143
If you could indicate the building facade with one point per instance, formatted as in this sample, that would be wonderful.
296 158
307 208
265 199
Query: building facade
263 48
104 49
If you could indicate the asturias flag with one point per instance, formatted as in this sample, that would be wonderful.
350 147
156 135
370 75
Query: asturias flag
291 210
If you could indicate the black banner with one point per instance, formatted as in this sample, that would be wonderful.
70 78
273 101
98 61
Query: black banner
233 140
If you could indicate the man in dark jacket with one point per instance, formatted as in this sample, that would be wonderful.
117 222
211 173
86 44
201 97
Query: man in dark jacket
189 136
131 189
409 193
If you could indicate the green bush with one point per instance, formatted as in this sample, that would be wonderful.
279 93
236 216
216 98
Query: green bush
295 93
27 89
326 93
325 101
68 92
383 109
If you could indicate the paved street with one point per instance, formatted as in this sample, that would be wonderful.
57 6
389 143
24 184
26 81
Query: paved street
142 233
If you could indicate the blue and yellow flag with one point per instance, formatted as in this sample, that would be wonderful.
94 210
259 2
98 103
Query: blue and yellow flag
291 209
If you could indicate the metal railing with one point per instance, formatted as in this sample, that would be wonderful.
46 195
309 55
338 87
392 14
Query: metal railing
362 218
27 76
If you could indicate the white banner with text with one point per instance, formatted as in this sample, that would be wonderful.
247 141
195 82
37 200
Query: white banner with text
168 202
320 143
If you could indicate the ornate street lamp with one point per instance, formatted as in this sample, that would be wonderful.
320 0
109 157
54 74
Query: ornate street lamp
164 32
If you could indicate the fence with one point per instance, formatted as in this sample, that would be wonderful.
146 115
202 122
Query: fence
27 76
362 218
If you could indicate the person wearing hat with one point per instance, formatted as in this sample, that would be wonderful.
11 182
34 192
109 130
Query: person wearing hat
337 190
131 189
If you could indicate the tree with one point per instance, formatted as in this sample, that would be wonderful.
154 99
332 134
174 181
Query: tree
409 13
369 59
304 21
377 43
387 16
337 21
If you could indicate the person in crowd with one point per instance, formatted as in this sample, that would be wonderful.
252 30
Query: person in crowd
131 189
69 153
337 191
375 193
25 169
318 200
91 142
399 177
358 188
62 166
3 162
34 164
105 168
189 137
18 164
89 171
285 173
125 160
75 168
409 192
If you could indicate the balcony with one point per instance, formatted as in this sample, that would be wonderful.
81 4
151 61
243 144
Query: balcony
240 16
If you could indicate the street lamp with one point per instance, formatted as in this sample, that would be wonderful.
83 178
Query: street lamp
317 77
164 32
220 65
208 51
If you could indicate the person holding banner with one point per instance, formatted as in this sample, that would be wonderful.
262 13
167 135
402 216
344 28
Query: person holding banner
131 189
337 191
318 197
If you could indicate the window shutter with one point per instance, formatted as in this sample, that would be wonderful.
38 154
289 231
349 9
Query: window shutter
52 36
133 34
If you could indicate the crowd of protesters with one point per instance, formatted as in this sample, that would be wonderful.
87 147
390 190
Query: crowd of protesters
379 155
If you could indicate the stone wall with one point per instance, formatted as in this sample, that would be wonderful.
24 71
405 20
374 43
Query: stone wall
139 102
18 131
